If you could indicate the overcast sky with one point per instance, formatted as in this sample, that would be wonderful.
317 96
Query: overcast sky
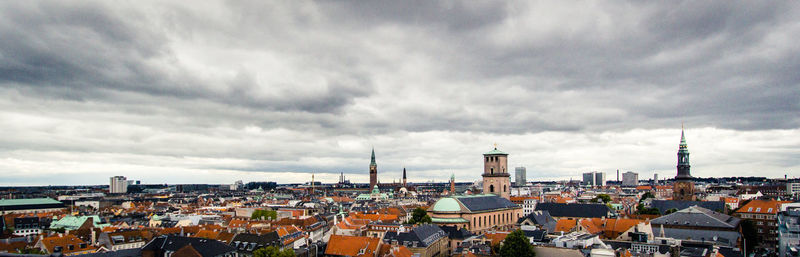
219 91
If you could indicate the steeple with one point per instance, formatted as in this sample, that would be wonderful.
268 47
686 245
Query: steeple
404 176
372 161
373 170
683 158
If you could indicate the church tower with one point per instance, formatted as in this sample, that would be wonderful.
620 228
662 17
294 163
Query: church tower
453 184
373 171
683 187
496 179
404 176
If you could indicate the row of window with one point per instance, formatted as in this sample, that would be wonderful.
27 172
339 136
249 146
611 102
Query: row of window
486 221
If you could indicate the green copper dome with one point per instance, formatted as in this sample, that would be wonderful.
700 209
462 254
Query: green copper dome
495 151
446 204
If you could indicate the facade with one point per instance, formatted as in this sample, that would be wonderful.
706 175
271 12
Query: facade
26 226
118 185
426 240
594 178
793 189
476 213
683 187
520 176
764 216
496 179
630 178
373 171
789 230
31 205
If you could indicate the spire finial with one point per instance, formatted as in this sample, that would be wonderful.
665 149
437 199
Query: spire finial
495 145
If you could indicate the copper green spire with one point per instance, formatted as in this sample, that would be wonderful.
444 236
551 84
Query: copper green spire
372 162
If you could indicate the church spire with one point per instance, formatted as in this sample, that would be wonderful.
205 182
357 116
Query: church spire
372 161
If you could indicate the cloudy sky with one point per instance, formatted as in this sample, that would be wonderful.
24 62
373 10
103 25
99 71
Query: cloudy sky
218 91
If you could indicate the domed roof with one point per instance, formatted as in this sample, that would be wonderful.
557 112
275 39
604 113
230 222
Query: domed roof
446 204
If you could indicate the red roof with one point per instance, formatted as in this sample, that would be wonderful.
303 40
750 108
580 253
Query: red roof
353 246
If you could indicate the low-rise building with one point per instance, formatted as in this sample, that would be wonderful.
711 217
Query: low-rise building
32 205
476 213
426 240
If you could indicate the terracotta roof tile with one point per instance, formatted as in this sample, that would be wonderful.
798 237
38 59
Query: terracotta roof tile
352 246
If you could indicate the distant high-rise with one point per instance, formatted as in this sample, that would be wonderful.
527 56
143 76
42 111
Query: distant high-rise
594 178
655 178
520 176
373 171
600 178
683 187
118 185
630 178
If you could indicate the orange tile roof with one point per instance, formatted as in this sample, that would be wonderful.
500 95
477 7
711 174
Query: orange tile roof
375 217
731 199
761 207
612 228
497 237
590 227
565 225
69 244
237 223
353 246
208 234
643 187
400 251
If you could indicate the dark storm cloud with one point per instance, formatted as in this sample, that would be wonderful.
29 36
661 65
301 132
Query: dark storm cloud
256 86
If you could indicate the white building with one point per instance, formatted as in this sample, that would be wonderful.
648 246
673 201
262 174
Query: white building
630 178
528 206
118 185
793 189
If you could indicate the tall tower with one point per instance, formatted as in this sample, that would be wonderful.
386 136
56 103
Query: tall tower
496 179
404 176
683 188
373 171
453 184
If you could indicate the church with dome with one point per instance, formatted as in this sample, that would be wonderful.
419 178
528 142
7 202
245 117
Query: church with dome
491 210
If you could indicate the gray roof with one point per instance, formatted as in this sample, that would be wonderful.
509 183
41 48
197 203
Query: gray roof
247 242
727 238
485 202
697 217
664 205
541 218
424 235
206 247
578 210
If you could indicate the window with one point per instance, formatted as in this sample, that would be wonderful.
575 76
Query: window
758 209
491 188
750 209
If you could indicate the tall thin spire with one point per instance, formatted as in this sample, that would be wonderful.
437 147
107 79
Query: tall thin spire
372 161
404 172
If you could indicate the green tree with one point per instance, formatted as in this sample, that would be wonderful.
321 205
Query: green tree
269 251
418 216
602 197
264 214
670 211
517 244
647 195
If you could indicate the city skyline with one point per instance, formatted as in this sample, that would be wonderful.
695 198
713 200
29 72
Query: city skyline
216 92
